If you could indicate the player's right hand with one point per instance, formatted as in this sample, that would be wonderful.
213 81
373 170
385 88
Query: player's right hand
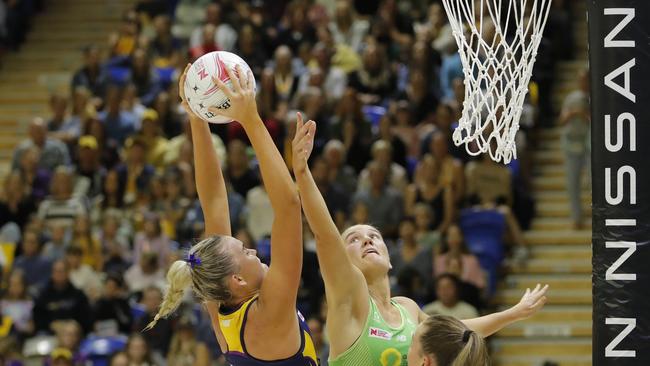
303 143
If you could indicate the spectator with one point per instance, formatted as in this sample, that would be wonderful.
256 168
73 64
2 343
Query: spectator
37 180
175 205
112 312
169 118
298 31
125 40
382 154
152 240
431 187
317 328
61 357
53 152
374 81
164 46
575 118
336 199
401 117
91 252
397 146
117 122
448 166
408 253
144 76
91 76
60 300
82 276
451 69
135 171
347 28
158 339
131 104
115 244
145 273
454 248
68 128
208 44
59 108
138 351
177 144
448 303
286 79
17 305
489 183
89 169
112 196
61 208
35 268
339 173
239 172
225 37
185 349
59 240
426 237
151 135
119 359
260 215
68 336
16 206
384 203
334 80
351 127
250 49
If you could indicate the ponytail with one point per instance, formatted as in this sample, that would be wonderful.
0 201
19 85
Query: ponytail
474 352
179 277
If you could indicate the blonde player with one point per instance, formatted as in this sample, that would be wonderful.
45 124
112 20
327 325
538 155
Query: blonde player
252 306
365 325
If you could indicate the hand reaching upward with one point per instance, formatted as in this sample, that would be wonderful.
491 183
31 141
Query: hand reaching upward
241 97
303 143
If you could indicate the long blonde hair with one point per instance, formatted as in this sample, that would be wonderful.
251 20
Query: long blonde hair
452 343
206 273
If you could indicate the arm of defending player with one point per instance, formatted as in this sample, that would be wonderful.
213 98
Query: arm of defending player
280 288
210 184
343 281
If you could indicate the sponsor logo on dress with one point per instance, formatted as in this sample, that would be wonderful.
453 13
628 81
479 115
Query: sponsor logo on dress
401 338
379 333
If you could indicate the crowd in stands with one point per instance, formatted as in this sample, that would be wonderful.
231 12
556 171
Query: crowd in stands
101 197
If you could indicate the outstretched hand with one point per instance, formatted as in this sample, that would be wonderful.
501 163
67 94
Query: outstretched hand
181 91
303 143
530 303
241 97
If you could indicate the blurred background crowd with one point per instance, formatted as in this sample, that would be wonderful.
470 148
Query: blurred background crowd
101 197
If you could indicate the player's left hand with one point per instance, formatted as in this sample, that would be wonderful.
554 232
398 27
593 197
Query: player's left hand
530 303
243 107
303 143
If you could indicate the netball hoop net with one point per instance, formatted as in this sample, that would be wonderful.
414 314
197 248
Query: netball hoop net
497 41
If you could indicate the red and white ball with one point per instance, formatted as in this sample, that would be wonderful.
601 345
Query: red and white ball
201 93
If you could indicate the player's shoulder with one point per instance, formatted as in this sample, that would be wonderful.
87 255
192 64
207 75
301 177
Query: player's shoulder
406 302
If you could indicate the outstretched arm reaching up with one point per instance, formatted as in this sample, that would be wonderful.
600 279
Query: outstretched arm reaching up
280 288
210 184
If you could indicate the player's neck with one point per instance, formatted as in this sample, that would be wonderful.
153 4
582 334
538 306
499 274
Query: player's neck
379 289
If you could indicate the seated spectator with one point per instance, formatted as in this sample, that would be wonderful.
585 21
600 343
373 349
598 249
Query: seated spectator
374 81
488 182
145 273
208 44
119 359
164 47
336 199
150 134
114 242
125 40
59 108
89 171
117 122
384 203
111 197
60 300
351 127
454 248
131 104
155 195
298 31
144 76
239 172
397 146
408 253
436 29
91 251
159 337
347 28
69 335
177 144
135 171
16 206
448 166
61 208
37 180
339 173
91 76
17 304
382 154
423 217
175 204
401 118
185 349
334 79
59 241
138 351
250 49
449 303
225 36
61 357
53 152
112 312
82 276
430 186
260 215
451 69
286 79
152 240
169 118
419 96
35 268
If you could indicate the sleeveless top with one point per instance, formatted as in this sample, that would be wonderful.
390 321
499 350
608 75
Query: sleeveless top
232 326
380 344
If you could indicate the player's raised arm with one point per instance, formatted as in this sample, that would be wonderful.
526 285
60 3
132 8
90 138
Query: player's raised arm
280 288
210 184
343 281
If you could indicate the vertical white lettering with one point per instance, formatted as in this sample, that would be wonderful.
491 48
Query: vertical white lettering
630 324
622 90
609 39
631 248
616 146
626 169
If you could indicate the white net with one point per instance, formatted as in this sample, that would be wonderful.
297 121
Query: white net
497 42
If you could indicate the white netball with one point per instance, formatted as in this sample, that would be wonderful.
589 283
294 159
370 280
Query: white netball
201 92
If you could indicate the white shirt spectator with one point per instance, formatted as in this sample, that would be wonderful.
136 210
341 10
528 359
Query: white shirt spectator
225 37
260 213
